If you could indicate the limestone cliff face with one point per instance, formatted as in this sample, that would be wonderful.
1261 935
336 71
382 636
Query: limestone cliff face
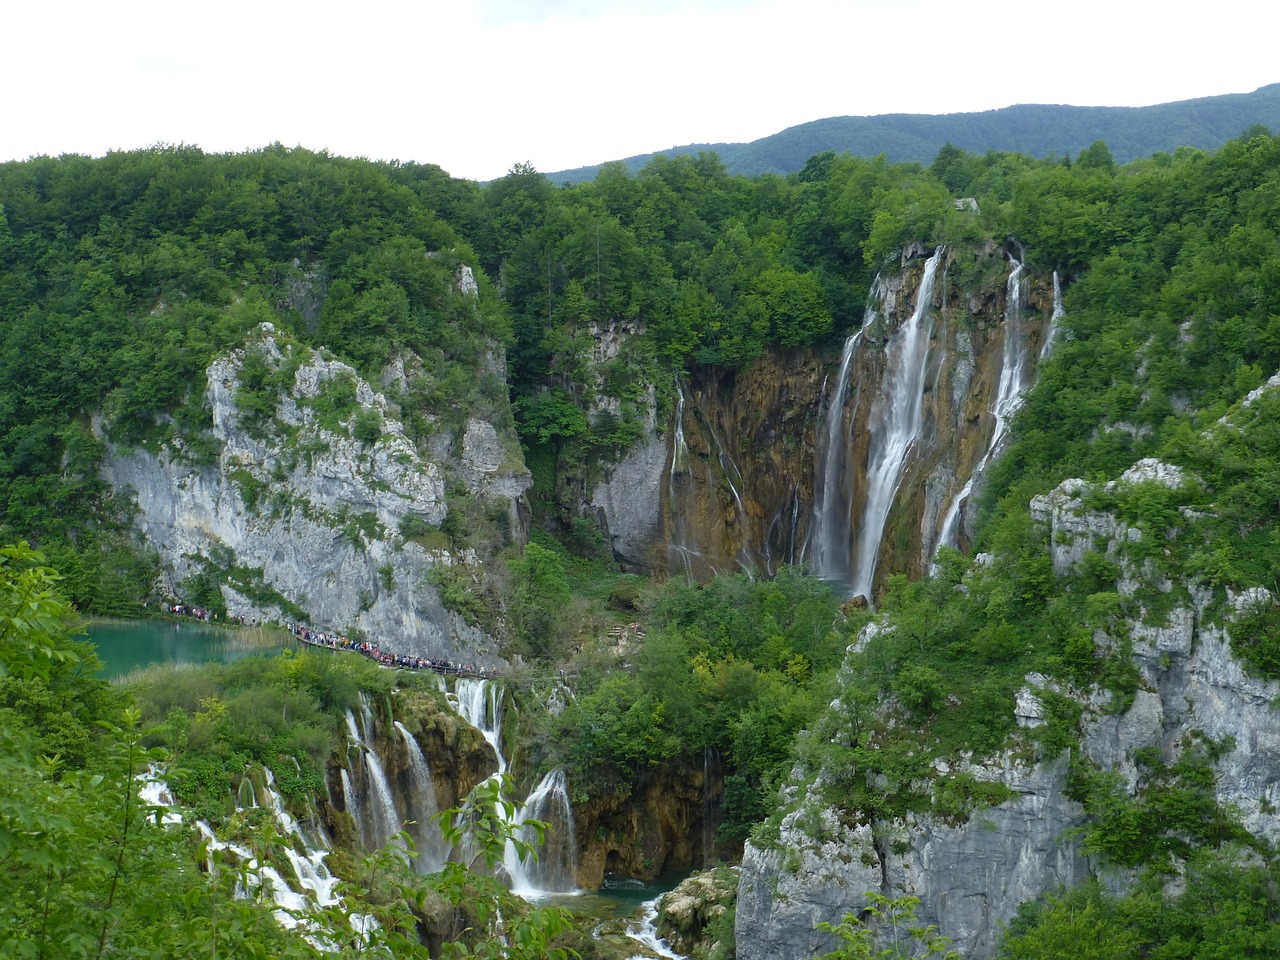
971 877
1190 679
729 482
306 513
739 488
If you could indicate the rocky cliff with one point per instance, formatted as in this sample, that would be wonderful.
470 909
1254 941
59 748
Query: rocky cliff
971 874
733 480
317 506
666 823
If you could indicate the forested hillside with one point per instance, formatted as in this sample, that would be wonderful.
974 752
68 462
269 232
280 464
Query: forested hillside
124 279
1040 130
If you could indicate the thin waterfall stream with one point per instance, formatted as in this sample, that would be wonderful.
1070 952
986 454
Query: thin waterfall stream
1051 333
1013 371
682 547
382 821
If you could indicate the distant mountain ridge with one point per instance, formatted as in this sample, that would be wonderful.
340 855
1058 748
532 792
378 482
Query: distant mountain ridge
1037 129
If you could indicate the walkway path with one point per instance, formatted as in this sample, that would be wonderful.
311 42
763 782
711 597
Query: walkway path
394 661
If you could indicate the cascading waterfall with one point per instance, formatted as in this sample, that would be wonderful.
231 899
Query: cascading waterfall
833 497
383 821
645 931
894 424
1008 397
556 868
479 703
309 867
427 838
317 885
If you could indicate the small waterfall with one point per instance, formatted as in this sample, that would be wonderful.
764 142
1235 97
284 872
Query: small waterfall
729 469
894 424
317 883
708 806
309 867
479 702
782 532
556 868
1008 397
245 797
427 838
645 931
382 820
354 806
833 496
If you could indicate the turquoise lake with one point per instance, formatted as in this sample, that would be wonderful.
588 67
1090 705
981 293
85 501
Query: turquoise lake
132 645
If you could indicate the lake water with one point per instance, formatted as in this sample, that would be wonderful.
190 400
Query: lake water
132 645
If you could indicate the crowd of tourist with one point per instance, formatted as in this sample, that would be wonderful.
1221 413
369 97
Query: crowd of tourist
335 641
199 613
396 661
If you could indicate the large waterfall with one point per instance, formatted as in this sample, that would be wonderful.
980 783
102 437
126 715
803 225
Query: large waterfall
556 868
894 425
1013 381
832 554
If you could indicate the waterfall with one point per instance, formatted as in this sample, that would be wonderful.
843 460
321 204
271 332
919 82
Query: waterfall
479 703
894 424
728 468
782 532
708 805
645 931
245 797
556 868
681 545
833 496
1051 331
313 877
423 806
1008 396
354 807
309 867
383 821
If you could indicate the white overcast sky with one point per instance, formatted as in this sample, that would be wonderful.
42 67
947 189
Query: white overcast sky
479 85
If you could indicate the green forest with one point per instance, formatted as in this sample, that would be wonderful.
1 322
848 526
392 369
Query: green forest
123 277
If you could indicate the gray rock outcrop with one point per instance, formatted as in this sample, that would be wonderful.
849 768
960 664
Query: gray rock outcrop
970 877
306 515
